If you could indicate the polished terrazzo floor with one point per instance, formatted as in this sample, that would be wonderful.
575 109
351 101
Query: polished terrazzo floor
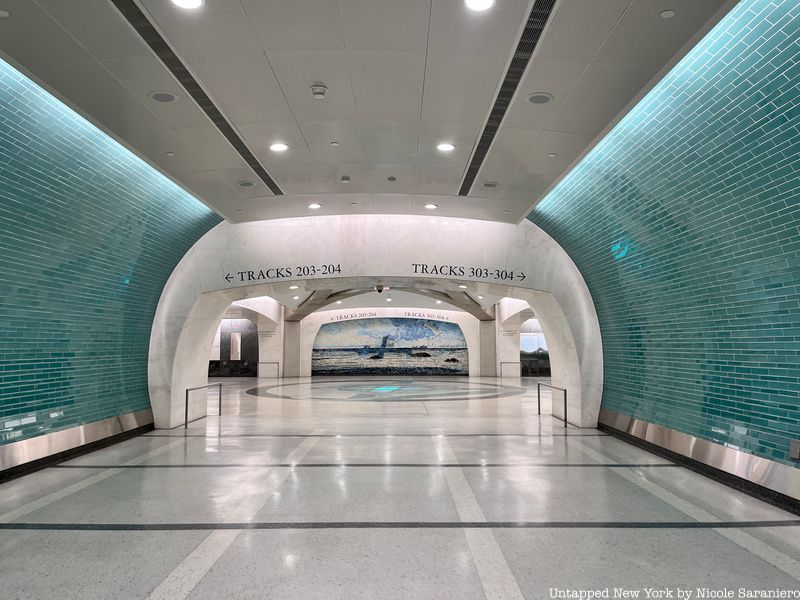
382 488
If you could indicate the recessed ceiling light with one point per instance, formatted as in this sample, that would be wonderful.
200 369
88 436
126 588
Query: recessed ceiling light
190 4
170 154
279 147
293 287
391 178
480 297
345 179
552 155
318 90
667 14
490 184
438 302
338 302
4 14
314 206
295 297
354 204
388 299
163 97
540 97
239 210
445 147
431 206
335 143
479 5
245 184
463 287
506 211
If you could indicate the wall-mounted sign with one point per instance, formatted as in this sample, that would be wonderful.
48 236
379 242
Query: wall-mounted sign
276 273
466 272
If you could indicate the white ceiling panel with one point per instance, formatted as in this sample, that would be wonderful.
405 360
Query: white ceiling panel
566 147
376 25
34 39
390 141
579 28
296 71
210 146
234 176
645 39
388 85
320 134
599 96
220 28
212 186
259 136
435 179
510 149
244 87
556 77
144 75
305 25
493 32
104 35
403 178
459 88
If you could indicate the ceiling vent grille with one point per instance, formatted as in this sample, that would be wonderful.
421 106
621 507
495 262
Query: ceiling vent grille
516 69
152 38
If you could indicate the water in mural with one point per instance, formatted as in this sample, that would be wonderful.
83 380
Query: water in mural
390 346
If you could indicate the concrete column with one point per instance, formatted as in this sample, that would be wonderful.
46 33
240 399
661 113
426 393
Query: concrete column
292 348
488 349
270 348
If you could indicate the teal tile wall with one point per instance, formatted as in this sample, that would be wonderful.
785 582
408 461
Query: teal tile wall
89 234
685 222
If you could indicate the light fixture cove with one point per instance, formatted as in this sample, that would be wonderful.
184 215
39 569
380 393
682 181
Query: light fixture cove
479 5
188 4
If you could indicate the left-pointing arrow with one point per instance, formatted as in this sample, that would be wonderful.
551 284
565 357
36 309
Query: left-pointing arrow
228 277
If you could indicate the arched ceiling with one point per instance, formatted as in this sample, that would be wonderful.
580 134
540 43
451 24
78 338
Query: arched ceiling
402 77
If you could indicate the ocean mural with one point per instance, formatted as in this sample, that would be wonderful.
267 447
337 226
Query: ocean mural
390 346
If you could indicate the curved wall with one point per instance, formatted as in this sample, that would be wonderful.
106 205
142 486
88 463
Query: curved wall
685 223
89 235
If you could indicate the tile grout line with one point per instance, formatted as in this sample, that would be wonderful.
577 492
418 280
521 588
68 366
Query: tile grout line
495 574
741 538
80 485
187 575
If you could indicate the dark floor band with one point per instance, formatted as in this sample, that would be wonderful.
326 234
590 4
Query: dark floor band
329 465
401 525
357 435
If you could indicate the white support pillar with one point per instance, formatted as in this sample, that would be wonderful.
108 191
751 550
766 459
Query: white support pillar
292 359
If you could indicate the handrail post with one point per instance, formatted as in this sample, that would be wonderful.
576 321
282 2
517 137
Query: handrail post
186 412
539 396
565 408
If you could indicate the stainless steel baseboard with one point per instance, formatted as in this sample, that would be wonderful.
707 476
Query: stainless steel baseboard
42 446
761 471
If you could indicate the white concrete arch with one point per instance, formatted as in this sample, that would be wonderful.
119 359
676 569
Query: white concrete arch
238 261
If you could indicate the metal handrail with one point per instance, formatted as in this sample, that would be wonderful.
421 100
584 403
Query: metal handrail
200 387
539 398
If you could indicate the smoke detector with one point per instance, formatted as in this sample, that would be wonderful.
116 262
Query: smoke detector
318 90
540 97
